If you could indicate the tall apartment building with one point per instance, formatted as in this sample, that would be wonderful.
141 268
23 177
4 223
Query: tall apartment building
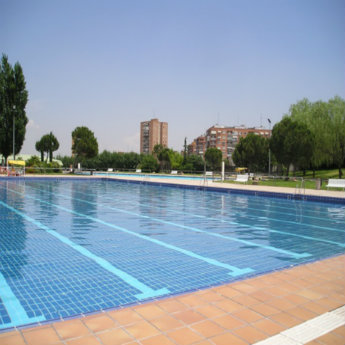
224 138
152 133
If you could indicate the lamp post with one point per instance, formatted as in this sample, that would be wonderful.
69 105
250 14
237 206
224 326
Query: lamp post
269 151
14 131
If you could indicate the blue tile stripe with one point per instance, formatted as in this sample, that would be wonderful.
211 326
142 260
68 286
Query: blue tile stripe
14 309
234 271
146 291
229 238
295 255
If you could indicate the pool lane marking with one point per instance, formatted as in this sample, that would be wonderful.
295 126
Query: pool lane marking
273 219
15 310
229 238
234 271
146 291
261 228
317 239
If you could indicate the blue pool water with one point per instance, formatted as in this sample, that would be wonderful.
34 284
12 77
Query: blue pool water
73 247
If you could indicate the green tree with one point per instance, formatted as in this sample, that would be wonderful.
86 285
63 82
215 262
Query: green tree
326 121
84 143
213 157
315 116
48 143
336 108
53 145
176 160
39 146
164 159
13 100
193 163
67 161
252 152
185 150
292 143
157 149
149 163
131 160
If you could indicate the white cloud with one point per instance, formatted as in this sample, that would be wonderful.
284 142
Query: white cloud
32 124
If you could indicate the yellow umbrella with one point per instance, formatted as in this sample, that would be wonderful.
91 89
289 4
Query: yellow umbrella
13 162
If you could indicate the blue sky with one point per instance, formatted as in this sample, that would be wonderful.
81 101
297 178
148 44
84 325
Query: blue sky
108 65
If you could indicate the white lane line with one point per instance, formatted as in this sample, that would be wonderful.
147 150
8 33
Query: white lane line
309 330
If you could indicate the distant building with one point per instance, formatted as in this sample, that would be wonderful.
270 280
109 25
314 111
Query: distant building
224 138
198 146
152 133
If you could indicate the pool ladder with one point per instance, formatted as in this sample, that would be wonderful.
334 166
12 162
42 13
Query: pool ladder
204 181
300 188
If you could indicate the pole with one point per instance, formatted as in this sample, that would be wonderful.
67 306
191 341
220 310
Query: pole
14 127
269 151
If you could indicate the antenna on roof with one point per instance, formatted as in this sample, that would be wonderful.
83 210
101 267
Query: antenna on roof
218 123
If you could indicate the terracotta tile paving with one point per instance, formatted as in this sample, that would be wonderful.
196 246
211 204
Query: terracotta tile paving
241 313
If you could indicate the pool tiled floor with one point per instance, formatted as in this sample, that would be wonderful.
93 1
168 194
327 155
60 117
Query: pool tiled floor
243 313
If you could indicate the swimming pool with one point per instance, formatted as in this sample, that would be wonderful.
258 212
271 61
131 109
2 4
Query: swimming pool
70 247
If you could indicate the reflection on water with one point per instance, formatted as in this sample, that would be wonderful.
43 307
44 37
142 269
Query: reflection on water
13 257
81 226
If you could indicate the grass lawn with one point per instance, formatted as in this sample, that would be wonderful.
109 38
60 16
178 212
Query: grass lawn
309 182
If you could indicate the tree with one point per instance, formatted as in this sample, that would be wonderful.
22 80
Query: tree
53 145
326 121
213 157
164 158
193 163
292 143
39 146
176 160
48 143
336 107
13 100
252 152
185 150
84 143
157 149
315 117
149 163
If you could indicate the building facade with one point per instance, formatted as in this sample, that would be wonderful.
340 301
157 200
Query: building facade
225 139
153 132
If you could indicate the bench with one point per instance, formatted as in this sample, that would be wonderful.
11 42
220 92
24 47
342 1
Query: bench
110 170
138 171
209 173
336 183
173 172
242 178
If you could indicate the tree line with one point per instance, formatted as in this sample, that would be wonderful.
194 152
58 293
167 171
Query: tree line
310 136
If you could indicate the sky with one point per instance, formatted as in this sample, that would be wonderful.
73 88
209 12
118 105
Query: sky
109 64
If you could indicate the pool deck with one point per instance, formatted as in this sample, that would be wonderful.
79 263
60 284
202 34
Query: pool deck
300 305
